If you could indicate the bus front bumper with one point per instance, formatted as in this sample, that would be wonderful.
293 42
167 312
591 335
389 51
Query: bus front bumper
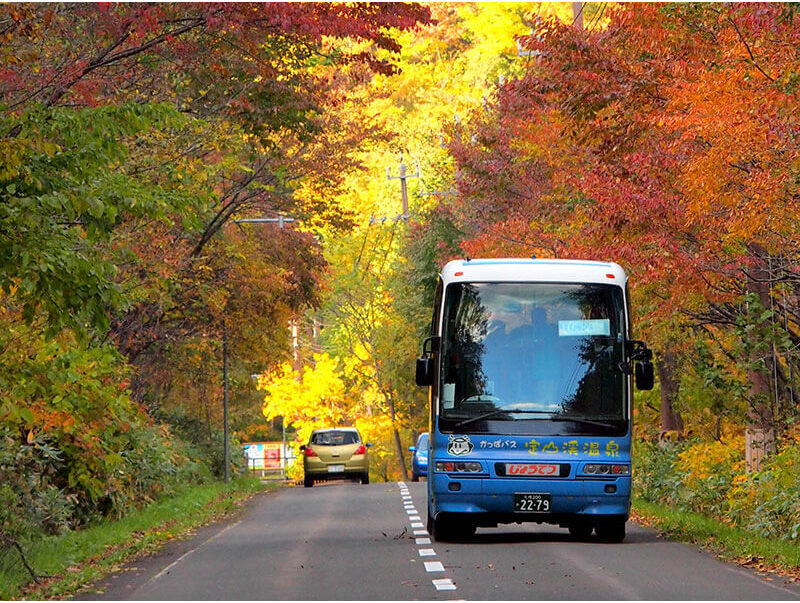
495 496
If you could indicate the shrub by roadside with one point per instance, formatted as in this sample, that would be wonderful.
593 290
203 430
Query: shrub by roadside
74 446
709 478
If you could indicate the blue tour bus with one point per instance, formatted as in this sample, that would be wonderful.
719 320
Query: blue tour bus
529 365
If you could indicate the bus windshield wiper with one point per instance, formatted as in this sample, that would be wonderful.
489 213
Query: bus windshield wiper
494 413
584 421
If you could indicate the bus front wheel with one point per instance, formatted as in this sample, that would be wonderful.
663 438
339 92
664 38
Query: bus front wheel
447 528
580 530
611 530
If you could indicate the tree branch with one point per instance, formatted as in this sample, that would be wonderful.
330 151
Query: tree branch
750 52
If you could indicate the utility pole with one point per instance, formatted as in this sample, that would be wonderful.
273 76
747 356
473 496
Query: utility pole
295 344
403 171
283 450
226 445
281 221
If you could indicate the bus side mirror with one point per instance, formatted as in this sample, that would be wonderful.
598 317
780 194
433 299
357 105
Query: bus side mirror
425 371
643 372
425 365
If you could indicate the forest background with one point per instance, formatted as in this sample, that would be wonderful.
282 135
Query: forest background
663 137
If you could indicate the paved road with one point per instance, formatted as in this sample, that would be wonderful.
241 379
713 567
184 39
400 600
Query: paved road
347 541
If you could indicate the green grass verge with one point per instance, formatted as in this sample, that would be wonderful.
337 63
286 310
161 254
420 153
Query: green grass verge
725 541
83 556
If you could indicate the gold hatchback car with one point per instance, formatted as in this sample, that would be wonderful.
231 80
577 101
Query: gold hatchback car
338 453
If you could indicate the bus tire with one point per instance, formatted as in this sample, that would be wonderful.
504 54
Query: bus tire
429 522
611 530
580 530
441 528
446 528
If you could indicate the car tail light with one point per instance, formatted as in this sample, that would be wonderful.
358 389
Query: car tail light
310 452
360 450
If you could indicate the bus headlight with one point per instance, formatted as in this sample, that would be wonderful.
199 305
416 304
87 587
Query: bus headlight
606 469
458 467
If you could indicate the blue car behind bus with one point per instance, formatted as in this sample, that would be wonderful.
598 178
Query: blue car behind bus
419 460
530 366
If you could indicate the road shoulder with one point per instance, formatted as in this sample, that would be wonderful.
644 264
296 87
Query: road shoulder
146 565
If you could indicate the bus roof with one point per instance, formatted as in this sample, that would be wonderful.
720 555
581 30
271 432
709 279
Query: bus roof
533 270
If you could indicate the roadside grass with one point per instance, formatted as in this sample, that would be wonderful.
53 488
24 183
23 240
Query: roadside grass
764 555
77 558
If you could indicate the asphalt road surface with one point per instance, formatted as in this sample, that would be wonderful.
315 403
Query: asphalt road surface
348 541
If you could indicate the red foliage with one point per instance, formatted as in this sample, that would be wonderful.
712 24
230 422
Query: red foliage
82 53
662 142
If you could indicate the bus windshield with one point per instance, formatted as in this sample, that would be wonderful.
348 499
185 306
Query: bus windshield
533 358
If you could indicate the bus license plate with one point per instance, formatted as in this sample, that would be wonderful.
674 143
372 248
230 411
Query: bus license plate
531 503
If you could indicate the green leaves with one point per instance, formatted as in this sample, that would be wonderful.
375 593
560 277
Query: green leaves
63 193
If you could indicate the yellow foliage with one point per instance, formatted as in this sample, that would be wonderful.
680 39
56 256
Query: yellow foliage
314 398
378 431
326 394
701 460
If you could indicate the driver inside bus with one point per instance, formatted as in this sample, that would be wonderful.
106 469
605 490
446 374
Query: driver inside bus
520 360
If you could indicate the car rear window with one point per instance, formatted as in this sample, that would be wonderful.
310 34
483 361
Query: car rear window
334 438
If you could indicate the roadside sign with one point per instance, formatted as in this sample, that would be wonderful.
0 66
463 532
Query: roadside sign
264 456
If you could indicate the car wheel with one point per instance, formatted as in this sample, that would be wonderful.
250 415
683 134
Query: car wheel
580 530
308 482
365 478
611 530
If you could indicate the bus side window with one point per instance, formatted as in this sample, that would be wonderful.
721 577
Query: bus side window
437 307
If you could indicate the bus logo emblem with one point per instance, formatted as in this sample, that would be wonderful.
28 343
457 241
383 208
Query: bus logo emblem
459 445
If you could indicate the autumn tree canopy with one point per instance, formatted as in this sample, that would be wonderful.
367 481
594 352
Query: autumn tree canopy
132 136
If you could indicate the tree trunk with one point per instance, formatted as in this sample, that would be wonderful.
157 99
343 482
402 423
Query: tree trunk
760 433
669 380
398 444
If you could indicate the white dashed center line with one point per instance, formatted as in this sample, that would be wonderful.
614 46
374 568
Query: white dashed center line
434 566
421 538
444 584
